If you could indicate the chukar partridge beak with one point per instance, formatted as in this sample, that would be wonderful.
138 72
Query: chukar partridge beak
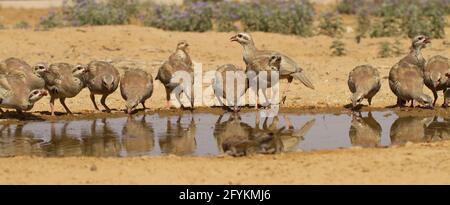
233 38
44 93
427 40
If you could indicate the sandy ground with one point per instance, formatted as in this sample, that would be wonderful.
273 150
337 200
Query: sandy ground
147 47
412 164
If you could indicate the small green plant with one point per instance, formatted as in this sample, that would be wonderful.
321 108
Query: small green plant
22 25
385 50
191 17
363 25
288 17
348 6
397 48
225 15
52 20
337 48
92 12
331 25
387 26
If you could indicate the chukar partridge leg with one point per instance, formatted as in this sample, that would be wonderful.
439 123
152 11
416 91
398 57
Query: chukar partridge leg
63 103
283 95
93 101
52 106
103 102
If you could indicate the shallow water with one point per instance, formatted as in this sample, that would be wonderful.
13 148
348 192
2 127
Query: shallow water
210 134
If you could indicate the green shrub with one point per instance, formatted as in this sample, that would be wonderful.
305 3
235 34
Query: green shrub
386 49
387 26
337 48
52 20
363 25
92 12
288 17
191 17
397 48
22 25
331 25
226 14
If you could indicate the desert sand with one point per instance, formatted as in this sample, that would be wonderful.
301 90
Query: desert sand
147 48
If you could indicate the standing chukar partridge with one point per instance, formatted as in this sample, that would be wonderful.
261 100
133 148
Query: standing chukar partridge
289 68
259 80
64 81
15 93
406 78
102 78
364 83
179 61
435 76
238 87
136 86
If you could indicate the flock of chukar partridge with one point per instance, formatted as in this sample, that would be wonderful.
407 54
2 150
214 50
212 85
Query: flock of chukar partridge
21 85
406 78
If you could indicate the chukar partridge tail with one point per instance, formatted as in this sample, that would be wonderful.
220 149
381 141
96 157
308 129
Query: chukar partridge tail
302 78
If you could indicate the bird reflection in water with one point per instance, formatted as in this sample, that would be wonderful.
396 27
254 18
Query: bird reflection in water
179 140
409 129
138 137
101 141
438 130
237 138
365 131
18 142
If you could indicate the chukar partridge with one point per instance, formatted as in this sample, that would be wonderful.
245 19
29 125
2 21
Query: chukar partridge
15 93
364 83
406 78
102 78
64 81
239 86
435 76
289 68
179 61
33 77
136 86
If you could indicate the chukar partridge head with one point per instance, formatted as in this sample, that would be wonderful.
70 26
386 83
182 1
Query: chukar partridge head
275 62
36 95
242 38
41 68
182 45
426 100
108 82
420 41
79 70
